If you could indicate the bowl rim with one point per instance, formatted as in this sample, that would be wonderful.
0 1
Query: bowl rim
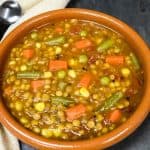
103 141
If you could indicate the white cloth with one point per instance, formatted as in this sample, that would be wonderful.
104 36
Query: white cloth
40 7
30 8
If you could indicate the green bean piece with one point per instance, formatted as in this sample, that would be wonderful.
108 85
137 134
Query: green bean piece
105 45
135 61
56 41
111 101
28 75
62 100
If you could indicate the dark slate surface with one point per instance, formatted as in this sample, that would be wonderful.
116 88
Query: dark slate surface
136 13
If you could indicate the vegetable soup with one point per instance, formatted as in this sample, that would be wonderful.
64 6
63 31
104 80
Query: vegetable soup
71 80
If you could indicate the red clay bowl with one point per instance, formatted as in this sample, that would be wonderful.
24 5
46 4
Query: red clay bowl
104 141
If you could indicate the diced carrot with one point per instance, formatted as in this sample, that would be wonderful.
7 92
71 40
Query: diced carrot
55 65
28 53
75 112
115 116
7 91
58 29
36 84
83 44
115 60
85 80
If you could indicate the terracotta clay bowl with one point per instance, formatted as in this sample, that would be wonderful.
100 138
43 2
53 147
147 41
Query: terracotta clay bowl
134 40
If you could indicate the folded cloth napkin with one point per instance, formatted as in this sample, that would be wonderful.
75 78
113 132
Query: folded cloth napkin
30 8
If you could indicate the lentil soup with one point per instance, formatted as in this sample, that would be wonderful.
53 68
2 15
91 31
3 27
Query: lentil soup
72 80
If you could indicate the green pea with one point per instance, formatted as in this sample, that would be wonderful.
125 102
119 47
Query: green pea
83 59
61 74
72 73
40 106
62 85
36 130
47 74
57 132
58 50
104 80
84 92
46 132
91 124
34 35
24 120
83 33
38 45
72 62
125 72
23 68
18 105
76 123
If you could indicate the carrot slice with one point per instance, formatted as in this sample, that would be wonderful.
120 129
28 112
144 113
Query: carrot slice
55 65
115 116
58 29
7 91
75 112
36 84
115 60
28 53
83 44
85 80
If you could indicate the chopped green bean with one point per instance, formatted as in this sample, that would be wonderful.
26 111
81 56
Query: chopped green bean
62 100
56 41
34 75
28 75
105 45
111 101
135 61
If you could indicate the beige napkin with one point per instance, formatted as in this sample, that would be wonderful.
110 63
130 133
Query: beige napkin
30 8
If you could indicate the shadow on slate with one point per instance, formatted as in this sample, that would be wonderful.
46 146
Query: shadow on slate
135 13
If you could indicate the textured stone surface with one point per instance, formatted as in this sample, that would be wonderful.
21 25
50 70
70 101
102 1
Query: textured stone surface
135 13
